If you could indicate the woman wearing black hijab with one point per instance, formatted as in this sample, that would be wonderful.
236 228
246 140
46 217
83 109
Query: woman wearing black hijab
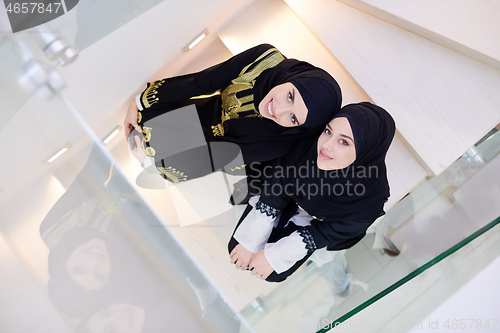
326 193
266 104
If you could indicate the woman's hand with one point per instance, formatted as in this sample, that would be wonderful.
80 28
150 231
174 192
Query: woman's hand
259 265
138 150
130 121
240 257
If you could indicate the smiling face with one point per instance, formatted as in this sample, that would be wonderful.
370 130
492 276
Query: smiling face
90 265
118 318
336 148
284 105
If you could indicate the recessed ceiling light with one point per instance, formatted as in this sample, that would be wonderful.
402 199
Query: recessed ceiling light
192 43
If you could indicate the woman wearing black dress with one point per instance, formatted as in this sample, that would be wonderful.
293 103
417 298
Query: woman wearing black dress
325 193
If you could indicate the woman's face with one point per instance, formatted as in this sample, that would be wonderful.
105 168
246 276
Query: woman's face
89 264
336 148
117 318
284 105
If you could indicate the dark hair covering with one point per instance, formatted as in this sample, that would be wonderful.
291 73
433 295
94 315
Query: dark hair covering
96 178
319 90
258 138
373 130
69 296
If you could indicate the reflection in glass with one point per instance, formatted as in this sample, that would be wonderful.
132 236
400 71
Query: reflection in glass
98 18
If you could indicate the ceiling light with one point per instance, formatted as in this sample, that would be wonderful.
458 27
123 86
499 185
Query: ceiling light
111 135
59 153
192 43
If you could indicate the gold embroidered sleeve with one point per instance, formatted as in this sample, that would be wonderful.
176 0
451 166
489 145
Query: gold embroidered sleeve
173 175
180 88
149 96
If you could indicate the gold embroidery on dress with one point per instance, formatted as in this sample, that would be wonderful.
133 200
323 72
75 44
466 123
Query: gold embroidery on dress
147 133
139 117
238 167
149 95
234 107
173 175
206 96
218 130
268 59
145 138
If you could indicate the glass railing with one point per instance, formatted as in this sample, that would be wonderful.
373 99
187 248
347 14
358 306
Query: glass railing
80 247
435 221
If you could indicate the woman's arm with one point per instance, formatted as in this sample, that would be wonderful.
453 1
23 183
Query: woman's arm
279 256
179 88
253 232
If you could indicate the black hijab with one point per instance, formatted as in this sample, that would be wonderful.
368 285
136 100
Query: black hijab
68 296
319 90
373 130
